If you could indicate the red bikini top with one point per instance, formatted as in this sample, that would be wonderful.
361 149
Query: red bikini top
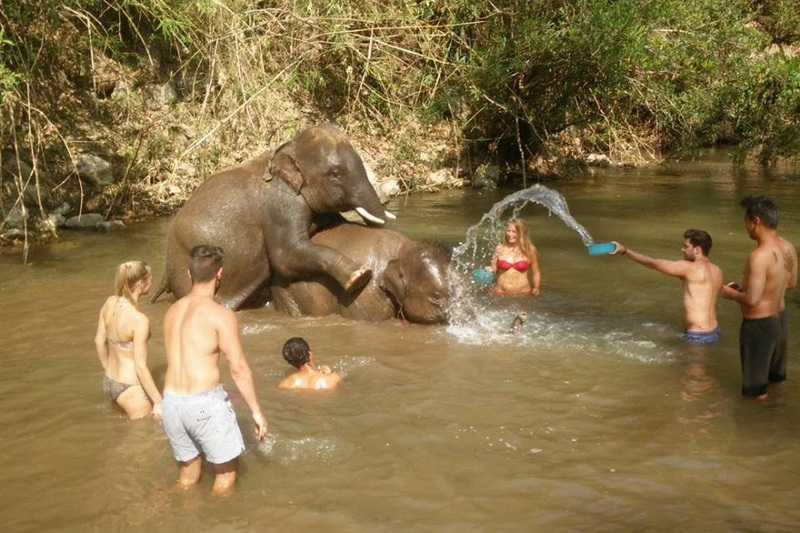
520 265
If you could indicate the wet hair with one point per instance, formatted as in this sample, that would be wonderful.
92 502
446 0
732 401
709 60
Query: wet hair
204 262
763 207
698 237
523 239
296 352
129 274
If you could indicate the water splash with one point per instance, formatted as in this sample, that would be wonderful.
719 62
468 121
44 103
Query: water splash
478 319
475 251
494 220
288 451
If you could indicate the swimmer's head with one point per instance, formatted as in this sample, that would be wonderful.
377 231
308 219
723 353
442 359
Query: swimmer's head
296 352
517 235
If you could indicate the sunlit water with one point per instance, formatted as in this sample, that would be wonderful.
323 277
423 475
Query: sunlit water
594 417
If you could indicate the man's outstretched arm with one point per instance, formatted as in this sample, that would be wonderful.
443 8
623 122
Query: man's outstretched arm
677 269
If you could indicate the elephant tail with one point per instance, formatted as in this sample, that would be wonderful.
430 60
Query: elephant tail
162 287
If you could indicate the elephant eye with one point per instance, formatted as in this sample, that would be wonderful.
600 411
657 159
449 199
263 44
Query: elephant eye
335 179
436 297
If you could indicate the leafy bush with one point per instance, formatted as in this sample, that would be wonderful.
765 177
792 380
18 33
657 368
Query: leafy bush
767 110
630 78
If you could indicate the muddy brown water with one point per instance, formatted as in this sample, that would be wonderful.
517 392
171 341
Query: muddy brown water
594 418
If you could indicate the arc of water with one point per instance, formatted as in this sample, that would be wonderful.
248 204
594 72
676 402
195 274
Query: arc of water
539 194
465 255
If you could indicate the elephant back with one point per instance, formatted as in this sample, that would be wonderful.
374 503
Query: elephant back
372 247
409 278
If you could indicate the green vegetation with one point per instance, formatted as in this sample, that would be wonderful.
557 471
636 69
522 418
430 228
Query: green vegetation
156 86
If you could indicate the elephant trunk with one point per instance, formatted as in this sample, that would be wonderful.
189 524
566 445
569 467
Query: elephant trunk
369 207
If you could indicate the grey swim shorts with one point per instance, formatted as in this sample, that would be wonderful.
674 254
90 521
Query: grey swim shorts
202 423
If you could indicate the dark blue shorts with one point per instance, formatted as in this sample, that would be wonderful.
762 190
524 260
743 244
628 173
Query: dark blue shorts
702 338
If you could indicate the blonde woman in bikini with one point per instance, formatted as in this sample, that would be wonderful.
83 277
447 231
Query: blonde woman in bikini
121 342
515 262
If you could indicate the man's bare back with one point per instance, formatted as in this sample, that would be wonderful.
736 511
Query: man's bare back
196 330
297 353
702 283
320 378
191 329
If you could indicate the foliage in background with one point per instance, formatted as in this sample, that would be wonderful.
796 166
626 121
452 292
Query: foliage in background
629 78
779 18
157 84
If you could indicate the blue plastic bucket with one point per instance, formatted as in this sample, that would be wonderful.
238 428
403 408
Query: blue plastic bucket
601 248
481 275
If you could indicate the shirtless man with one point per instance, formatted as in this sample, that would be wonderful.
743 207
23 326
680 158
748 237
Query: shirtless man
702 282
198 417
771 270
298 354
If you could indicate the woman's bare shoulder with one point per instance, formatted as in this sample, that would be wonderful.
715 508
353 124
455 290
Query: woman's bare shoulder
139 318
108 304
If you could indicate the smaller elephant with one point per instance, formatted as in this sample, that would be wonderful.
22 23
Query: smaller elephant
410 278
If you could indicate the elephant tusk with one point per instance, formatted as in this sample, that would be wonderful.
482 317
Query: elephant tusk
390 215
367 216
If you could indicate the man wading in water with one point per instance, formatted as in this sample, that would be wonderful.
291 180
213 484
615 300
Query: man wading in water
770 270
198 417
702 282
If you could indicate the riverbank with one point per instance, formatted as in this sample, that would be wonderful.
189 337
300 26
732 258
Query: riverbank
121 109
112 174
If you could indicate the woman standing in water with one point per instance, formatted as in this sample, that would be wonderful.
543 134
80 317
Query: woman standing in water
121 341
515 262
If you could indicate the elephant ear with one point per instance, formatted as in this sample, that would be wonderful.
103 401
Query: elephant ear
393 280
284 165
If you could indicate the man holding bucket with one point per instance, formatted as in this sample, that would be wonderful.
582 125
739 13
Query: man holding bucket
702 282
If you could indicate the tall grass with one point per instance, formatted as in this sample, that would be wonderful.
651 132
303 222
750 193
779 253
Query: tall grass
516 78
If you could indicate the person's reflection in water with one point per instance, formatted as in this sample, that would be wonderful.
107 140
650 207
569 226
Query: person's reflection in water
699 386
129 500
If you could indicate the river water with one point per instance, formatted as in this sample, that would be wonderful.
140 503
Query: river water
595 417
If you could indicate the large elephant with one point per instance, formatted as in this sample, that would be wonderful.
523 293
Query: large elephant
410 278
261 214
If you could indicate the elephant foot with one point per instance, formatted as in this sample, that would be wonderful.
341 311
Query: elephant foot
358 279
